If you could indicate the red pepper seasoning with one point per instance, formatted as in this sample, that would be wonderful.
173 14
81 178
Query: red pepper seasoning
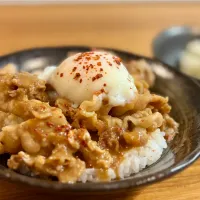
68 128
84 143
91 65
50 124
74 69
99 63
43 108
64 128
96 57
80 80
117 60
102 90
109 63
58 128
98 76
101 69
61 75
77 75
78 58
99 92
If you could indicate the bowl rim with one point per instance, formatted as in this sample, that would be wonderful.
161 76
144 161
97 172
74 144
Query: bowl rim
176 30
103 186
169 32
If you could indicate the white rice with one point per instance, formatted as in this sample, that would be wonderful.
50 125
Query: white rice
134 160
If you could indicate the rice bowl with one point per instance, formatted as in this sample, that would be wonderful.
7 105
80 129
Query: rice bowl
167 165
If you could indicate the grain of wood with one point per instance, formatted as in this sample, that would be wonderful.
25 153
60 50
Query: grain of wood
131 27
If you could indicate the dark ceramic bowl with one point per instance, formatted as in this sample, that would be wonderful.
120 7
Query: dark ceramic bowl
169 44
184 95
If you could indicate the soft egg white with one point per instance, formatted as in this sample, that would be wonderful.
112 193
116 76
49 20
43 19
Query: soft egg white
83 75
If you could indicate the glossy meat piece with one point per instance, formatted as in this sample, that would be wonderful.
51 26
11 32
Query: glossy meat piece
8 119
22 85
9 68
61 164
141 70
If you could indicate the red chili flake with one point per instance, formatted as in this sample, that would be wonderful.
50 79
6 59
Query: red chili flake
43 108
98 76
60 116
96 57
83 67
61 75
91 65
87 67
77 75
58 128
102 90
166 137
78 58
36 131
101 69
104 84
99 92
74 69
39 132
84 143
50 124
117 60
88 58
80 80
80 63
99 63
67 128
109 63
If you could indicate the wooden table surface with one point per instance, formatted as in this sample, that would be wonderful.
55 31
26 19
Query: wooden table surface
131 27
